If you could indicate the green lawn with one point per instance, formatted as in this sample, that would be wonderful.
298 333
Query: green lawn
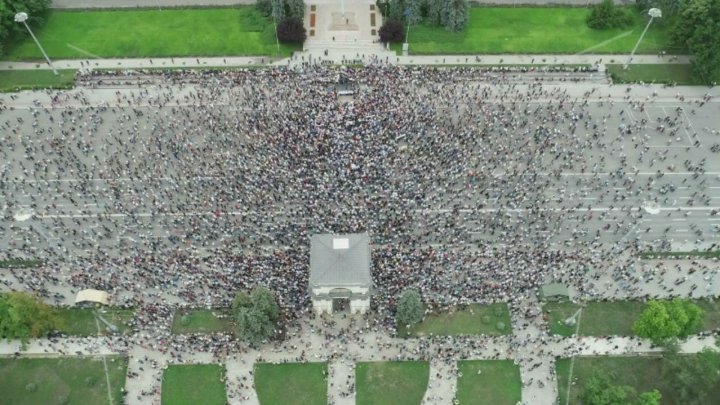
194 384
391 382
641 373
79 379
473 319
201 321
291 383
81 321
699 254
488 382
680 74
534 30
152 33
602 318
15 263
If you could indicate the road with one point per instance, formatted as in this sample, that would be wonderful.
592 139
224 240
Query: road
105 179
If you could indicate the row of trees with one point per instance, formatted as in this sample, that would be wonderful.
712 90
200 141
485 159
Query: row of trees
8 27
451 14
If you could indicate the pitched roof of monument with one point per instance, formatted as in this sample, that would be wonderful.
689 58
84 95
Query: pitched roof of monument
340 260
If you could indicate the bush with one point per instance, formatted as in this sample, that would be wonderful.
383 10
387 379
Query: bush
498 311
392 31
486 320
63 399
291 30
500 326
184 320
32 387
606 15
90 381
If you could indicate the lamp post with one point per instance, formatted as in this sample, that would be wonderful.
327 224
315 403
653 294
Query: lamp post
653 13
406 45
22 18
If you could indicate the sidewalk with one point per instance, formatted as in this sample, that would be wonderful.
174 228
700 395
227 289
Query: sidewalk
339 57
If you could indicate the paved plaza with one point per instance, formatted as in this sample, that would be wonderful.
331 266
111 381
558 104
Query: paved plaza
474 187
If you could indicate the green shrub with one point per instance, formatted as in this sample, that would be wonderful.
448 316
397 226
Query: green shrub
606 15
500 326
185 320
90 381
498 311
486 319
31 387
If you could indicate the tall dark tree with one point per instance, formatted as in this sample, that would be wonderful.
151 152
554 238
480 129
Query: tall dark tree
291 30
392 31
454 16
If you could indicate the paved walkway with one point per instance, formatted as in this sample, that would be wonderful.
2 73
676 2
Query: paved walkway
339 57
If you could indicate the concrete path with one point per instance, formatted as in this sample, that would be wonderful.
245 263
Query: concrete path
339 57
442 384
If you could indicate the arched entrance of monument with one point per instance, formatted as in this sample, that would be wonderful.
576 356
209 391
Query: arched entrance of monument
340 299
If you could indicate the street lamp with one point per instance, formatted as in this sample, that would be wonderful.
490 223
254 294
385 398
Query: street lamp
653 13
22 18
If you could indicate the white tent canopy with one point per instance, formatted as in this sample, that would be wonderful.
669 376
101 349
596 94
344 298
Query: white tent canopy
90 295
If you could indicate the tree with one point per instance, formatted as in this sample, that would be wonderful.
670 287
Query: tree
454 15
253 326
410 308
242 300
392 31
291 30
606 15
264 301
295 9
256 315
265 7
698 29
24 316
433 11
277 10
649 398
692 377
599 390
664 321
34 8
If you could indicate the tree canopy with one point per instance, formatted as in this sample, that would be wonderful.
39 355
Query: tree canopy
451 14
697 28
600 390
410 308
664 321
36 10
692 376
256 315
24 316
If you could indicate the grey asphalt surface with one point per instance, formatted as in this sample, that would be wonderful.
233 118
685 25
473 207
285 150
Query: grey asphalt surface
664 195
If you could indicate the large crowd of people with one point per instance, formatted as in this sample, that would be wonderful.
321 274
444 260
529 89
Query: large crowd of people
450 170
